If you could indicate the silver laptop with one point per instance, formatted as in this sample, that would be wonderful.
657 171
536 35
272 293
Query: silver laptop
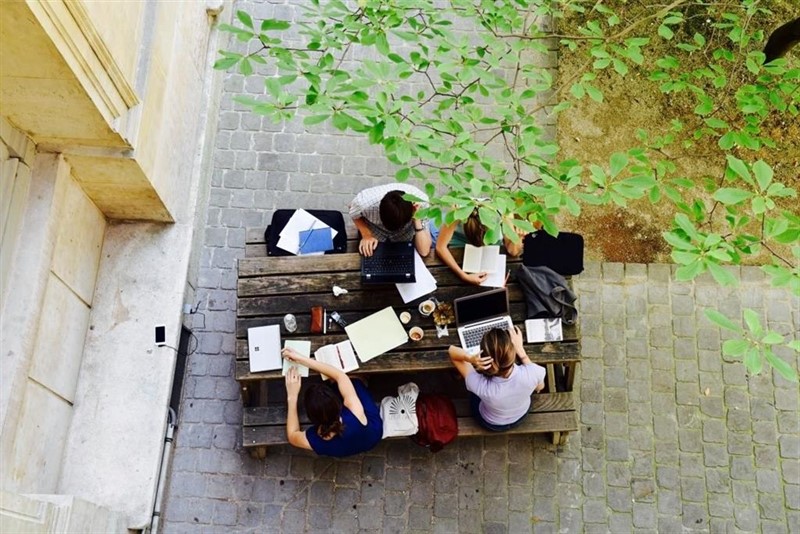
264 345
477 314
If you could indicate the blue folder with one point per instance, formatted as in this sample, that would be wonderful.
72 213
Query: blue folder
317 240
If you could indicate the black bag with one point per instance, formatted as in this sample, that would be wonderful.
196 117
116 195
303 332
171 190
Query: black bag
563 254
332 218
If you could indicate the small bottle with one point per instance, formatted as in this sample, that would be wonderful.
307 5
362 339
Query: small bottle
290 322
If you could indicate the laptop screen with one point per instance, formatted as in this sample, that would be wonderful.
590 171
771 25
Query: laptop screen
482 306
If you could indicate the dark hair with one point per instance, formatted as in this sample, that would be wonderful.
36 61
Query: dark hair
474 229
324 410
497 344
395 211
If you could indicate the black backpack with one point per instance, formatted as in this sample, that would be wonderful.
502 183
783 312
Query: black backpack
563 254
332 218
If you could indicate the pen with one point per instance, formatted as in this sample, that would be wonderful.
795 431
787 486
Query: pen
339 354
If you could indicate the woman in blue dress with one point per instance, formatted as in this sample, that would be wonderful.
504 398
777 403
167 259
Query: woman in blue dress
345 420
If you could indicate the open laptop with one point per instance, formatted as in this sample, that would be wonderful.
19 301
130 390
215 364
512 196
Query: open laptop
390 263
477 314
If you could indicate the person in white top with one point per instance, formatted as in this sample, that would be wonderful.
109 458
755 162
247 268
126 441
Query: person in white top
382 214
500 388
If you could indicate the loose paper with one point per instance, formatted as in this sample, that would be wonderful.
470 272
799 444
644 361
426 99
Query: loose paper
480 259
498 277
425 283
543 330
303 348
300 221
340 355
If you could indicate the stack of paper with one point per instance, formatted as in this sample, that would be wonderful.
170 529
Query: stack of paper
425 283
303 348
305 234
480 259
340 355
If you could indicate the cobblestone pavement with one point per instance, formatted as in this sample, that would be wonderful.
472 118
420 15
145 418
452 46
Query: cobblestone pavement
671 438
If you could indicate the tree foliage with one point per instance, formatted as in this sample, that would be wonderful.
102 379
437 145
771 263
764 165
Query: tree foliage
456 94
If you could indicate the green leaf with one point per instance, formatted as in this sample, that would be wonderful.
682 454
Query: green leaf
721 274
315 119
726 142
730 195
753 322
794 345
618 162
577 90
402 175
772 338
721 320
781 366
594 93
753 362
665 32
245 19
738 166
274 24
689 272
735 347
226 63
763 174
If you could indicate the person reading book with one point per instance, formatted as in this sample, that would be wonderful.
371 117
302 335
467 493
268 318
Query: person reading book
500 388
472 231
382 214
345 420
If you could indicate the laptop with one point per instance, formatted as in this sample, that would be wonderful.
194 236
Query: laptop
264 346
477 314
390 263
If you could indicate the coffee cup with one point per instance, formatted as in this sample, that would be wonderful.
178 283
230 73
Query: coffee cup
405 317
416 333
426 307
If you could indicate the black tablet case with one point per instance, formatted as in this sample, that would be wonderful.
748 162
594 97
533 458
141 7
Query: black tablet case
332 218
563 254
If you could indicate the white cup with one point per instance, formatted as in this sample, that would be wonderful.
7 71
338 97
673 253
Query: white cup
426 307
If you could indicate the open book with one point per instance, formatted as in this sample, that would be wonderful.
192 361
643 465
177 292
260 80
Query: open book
303 348
480 259
544 330
340 355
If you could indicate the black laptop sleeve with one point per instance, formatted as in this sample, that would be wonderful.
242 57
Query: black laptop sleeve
563 254
332 218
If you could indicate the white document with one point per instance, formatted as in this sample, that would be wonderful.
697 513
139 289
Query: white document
303 348
300 221
543 330
498 277
264 344
480 259
340 355
425 283
377 333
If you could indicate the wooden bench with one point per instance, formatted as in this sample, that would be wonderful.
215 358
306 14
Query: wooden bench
270 287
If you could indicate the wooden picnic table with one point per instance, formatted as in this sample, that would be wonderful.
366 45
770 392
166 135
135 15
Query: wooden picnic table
271 287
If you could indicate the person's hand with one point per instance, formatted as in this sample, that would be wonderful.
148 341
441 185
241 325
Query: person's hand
480 362
516 340
367 245
475 278
292 383
290 354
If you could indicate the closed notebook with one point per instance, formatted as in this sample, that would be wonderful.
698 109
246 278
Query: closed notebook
377 333
315 240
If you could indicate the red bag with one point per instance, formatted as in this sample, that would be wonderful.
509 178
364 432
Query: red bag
438 423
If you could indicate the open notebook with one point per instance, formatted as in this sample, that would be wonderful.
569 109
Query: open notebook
339 355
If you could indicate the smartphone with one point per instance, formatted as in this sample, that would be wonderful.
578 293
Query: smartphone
161 335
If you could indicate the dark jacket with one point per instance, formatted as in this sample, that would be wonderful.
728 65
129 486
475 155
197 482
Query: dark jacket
547 294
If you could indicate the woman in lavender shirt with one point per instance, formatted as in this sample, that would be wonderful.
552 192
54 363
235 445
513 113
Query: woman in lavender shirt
500 388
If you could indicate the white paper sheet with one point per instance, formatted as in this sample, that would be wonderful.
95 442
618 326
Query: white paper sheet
300 221
498 277
543 330
377 333
303 348
425 283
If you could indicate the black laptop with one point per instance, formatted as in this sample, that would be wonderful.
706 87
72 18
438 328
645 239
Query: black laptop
390 263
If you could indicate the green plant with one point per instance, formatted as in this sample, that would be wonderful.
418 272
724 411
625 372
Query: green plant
463 110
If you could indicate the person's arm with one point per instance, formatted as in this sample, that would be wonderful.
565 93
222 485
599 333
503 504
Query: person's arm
422 238
465 362
293 433
443 251
519 348
368 241
345 385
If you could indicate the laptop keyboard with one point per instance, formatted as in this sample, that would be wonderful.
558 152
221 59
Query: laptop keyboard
473 335
388 265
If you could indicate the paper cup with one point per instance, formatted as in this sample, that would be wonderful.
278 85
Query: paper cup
426 307
405 317
416 333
